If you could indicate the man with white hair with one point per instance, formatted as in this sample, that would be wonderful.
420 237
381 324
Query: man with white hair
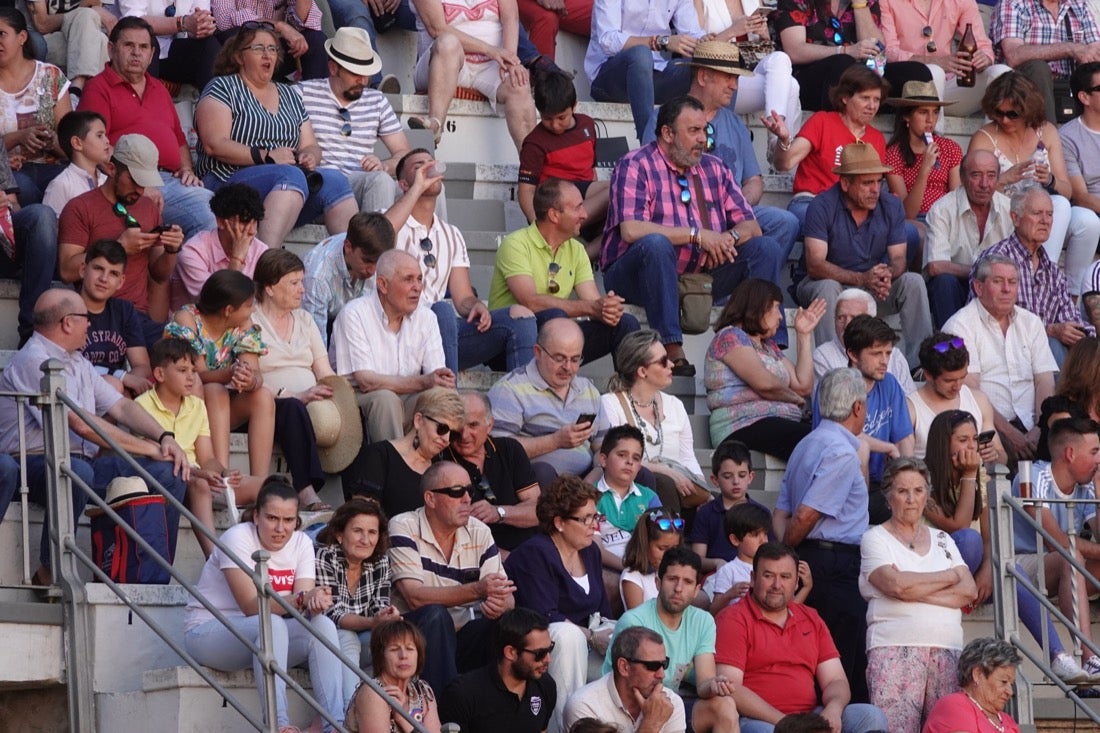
831 355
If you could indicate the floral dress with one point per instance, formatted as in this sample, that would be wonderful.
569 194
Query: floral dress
34 105
217 353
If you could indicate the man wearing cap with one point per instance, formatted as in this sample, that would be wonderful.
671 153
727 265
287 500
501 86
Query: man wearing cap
855 237
715 70
348 118
119 210
658 229
133 101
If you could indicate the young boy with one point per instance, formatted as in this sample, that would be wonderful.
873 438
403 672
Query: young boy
562 145
731 472
83 137
173 405
621 500
116 346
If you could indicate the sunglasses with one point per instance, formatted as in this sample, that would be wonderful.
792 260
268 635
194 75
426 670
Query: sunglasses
257 25
666 523
455 492
487 492
1093 90
345 115
121 212
426 248
709 147
1009 114
649 664
442 428
952 343
838 38
540 654
553 286
685 190
663 361
930 46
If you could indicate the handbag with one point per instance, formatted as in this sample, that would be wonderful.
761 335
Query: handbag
609 149
696 288
752 52
1066 106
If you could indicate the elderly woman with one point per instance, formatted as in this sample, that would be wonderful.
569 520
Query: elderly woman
390 470
916 583
1029 150
986 673
351 560
254 130
559 574
755 394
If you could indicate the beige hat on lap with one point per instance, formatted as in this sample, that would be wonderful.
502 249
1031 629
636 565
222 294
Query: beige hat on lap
337 425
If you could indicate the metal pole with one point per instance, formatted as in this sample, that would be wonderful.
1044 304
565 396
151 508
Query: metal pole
24 490
267 656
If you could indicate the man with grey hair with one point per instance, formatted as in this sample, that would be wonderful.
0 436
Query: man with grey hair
831 355
1043 288
389 346
632 696
822 511
1010 356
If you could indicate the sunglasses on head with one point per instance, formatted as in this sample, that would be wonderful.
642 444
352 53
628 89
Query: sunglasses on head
685 190
121 212
442 428
838 38
426 248
650 664
258 25
930 46
553 286
345 115
665 523
455 492
952 343
1009 114
540 654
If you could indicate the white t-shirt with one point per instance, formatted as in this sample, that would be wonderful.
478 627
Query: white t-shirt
647 582
294 561
891 622
677 440
734 571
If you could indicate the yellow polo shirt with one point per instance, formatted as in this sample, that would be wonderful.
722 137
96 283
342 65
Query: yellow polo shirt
189 425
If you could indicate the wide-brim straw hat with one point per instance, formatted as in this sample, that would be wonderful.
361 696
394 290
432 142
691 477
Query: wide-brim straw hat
720 56
918 94
858 159
337 425
352 49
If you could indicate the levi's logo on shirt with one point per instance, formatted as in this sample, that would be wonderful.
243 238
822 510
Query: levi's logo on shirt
282 581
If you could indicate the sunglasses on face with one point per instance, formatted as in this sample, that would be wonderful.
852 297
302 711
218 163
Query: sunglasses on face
442 428
930 46
649 664
553 286
455 492
663 361
838 38
540 654
666 523
121 212
1009 114
952 343
685 191
345 115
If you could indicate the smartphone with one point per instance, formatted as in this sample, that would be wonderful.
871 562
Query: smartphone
161 229
589 417
986 437
763 10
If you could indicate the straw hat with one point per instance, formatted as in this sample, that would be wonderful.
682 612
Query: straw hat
720 56
352 49
125 488
918 94
859 158
337 425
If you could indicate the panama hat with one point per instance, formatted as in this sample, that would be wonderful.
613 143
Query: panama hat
352 49
125 488
337 425
720 56
918 94
859 158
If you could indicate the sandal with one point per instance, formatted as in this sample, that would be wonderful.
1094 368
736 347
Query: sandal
682 368
431 123
317 506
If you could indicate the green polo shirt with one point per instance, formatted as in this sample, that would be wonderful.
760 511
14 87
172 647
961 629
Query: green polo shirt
525 252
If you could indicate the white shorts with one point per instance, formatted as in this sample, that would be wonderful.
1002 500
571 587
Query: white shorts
483 76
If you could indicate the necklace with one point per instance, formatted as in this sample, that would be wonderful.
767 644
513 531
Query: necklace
993 718
660 433
896 531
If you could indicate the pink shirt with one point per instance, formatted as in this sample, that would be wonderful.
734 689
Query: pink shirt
902 24
203 255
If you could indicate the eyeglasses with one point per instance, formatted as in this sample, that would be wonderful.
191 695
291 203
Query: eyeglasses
442 428
709 147
345 115
663 361
1009 114
262 48
540 654
838 37
1091 91
553 286
426 248
75 315
560 359
588 521
930 46
121 212
952 343
685 191
258 25
455 492
666 523
650 664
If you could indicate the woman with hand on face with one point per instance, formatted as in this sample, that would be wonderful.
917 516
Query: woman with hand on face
398 650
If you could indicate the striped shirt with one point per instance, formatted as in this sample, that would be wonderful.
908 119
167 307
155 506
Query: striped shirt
328 284
1032 23
367 598
448 246
369 117
415 554
234 13
252 123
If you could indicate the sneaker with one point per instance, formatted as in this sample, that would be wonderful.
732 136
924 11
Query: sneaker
1066 669
1092 668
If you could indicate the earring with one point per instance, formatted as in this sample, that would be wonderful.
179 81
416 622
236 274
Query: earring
416 441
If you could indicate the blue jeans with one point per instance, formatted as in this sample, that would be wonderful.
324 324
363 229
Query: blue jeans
9 481
188 206
779 224
856 718
357 13
946 295
798 206
451 652
629 76
600 339
33 178
646 275
36 249
39 493
267 178
464 346
356 646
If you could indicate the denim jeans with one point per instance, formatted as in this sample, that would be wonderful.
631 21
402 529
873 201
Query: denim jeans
356 646
946 295
9 481
858 718
600 339
357 14
509 339
451 652
267 178
188 206
32 179
36 249
629 76
39 492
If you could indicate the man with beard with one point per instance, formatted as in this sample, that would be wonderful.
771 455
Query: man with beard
514 693
657 227
348 118
689 636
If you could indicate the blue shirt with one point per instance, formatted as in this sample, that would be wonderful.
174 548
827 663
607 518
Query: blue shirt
824 474
732 143
887 419
855 248
1044 487
709 527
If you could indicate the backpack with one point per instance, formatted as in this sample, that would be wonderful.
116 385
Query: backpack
120 556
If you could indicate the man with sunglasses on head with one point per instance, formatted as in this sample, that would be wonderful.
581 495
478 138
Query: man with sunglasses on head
120 210
689 638
632 696
447 575
514 693
545 268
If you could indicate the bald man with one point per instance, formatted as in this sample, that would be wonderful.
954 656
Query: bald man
60 331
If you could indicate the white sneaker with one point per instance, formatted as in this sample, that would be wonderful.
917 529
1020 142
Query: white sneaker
1066 669
1092 668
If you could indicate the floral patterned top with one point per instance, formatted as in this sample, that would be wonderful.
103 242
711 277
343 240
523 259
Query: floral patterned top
816 17
733 404
217 353
34 104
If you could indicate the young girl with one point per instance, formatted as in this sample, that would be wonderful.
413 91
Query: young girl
656 531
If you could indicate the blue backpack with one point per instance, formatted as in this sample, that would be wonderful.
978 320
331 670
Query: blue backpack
118 555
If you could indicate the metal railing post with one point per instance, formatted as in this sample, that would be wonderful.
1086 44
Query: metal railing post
61 524
267 655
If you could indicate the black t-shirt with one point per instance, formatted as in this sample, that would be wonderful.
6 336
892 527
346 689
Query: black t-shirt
480 703
381 473
110 333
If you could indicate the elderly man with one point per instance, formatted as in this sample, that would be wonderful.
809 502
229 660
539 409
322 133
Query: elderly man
547 407
831 355
349 119
542 266
855 237
505 488
60 332
1043 287
131 100
961 225
631 697
341 268
778 654
1010 356
447 575
389 346
675 210
822 510
471 334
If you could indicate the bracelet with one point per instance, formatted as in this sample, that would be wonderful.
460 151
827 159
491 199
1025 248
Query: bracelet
257 158
268 159
299 600
165 434
653 43
1051 187
173 250
859 6
785 146
840 49
180 27
968 478
694 236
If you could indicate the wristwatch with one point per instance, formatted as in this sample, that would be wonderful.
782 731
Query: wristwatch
501 513
662 43
736 236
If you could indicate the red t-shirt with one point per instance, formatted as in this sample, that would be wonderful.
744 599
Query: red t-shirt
570 156
950 157
780 664
828 135
90 216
